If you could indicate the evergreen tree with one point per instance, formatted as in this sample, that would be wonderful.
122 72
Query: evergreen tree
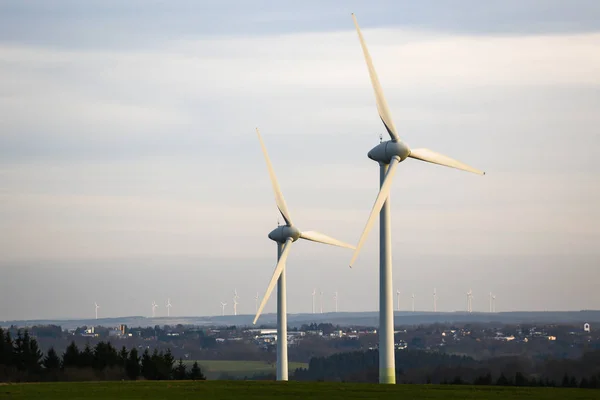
196 373
132 367
520 379
86 358
6 349
168 361
180 372
71 356
502 381
123 357
147 366
51 361
34 355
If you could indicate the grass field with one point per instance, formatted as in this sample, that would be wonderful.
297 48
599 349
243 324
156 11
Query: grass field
239 369
277 390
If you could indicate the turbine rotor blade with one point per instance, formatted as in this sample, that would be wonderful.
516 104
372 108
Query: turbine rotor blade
322 238
382 107
276 273
279 200
440 159
384 193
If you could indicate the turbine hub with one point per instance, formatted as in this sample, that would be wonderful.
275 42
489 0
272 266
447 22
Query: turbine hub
283 233
384 152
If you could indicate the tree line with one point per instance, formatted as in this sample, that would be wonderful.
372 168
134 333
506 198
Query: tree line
418 366
22 360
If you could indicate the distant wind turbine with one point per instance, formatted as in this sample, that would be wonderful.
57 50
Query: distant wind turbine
397 300
223 308
154 305
169 305
413 302
434 300
235 301
97 307
314 293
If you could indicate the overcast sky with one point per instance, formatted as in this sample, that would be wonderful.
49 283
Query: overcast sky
130 171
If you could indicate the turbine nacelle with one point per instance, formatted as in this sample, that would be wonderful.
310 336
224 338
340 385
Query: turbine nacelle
283 233
384 152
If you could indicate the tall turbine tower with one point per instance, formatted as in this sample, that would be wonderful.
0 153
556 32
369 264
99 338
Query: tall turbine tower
314 293
389 154
154 305
434 300
235 301
413 304
284 236
97 307
223 309
398 300
494 303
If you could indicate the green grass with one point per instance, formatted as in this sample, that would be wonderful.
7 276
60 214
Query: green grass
239 369
277 390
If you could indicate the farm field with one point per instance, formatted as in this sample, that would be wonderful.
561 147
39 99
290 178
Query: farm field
277 390
213 369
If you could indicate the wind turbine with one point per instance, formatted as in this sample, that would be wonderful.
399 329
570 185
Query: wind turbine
389 154
235 301
169 305
97 307
413 306
335 299
494 303
223 308
398 300
470 301
434 300
314 293
154 305
284 236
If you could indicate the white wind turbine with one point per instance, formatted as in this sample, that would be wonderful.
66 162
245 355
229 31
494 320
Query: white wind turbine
284 236
413 304
389 154
398 300
235 301
97 307
169 305
494 303
470 301
223 308
434 300
314 293
154 305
